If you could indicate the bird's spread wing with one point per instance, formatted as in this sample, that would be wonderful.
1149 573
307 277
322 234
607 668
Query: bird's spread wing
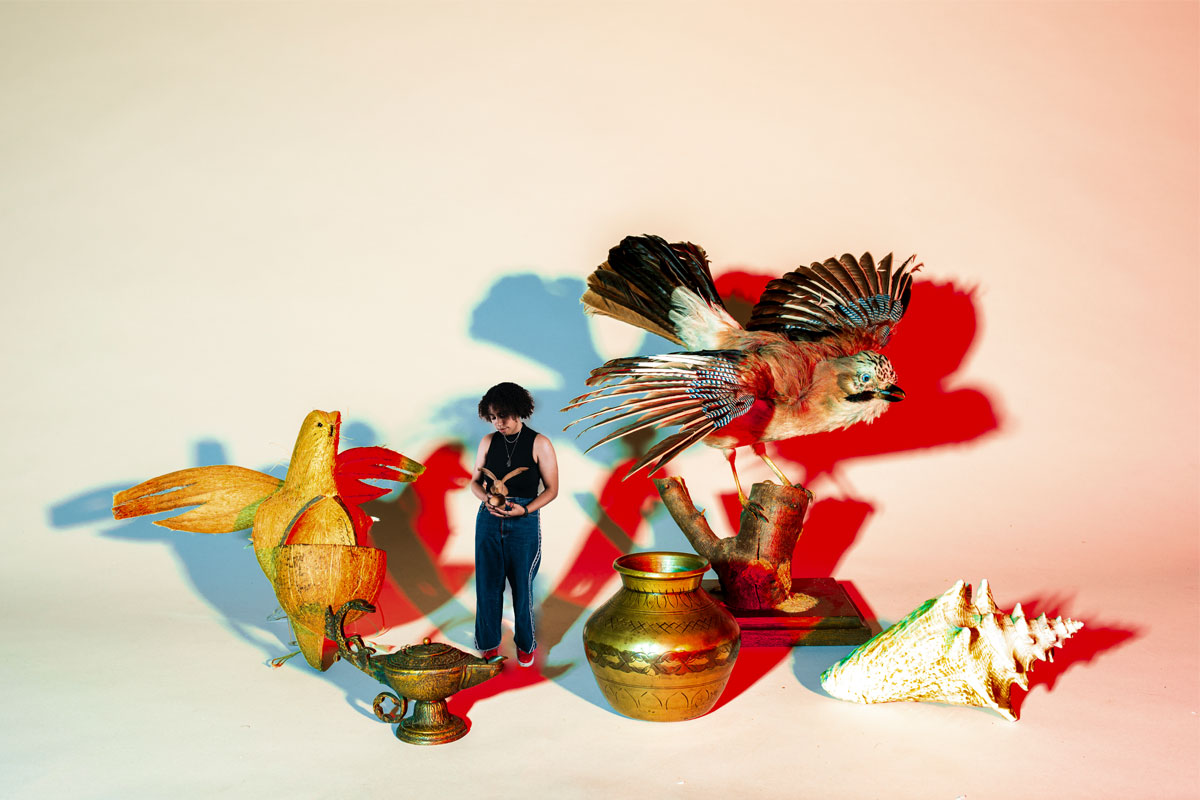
852 298
226 498
698 392
666 289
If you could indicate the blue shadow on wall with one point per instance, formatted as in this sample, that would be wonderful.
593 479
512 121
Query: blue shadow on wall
539 319
221 568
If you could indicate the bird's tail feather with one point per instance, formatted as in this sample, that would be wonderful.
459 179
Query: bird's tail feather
670 447
696 392
639 282
225 498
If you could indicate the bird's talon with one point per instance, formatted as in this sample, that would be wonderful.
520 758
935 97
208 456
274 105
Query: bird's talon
757 510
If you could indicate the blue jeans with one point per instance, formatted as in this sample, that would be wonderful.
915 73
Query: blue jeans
506 549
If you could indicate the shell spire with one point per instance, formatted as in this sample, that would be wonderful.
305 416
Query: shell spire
951 649
984 602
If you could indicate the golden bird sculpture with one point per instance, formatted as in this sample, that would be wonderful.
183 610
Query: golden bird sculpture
308 530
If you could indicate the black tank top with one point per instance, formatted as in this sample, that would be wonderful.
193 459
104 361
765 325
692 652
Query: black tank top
521 452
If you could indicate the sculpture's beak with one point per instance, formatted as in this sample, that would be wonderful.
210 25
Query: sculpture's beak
893 394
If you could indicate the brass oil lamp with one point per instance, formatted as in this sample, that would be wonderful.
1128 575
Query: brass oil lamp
425 673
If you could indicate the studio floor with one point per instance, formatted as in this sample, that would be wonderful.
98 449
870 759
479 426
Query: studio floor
215 218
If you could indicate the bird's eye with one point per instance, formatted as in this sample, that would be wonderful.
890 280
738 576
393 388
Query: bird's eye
864 378
320 424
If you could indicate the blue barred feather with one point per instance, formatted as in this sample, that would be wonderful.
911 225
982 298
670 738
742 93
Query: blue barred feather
836 296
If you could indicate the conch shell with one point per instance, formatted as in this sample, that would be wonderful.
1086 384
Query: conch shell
950 650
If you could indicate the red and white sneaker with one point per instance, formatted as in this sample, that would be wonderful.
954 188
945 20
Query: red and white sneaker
488 655
524 659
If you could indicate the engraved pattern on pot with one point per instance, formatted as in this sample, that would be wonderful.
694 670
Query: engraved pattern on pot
661 626
652 701
668 601
672 662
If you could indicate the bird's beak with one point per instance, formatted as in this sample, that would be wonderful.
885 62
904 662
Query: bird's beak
893 393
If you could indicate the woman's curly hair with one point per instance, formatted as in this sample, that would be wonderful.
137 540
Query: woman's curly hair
506 400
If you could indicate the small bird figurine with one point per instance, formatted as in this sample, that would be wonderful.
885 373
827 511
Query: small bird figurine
807 361
306 528
498 492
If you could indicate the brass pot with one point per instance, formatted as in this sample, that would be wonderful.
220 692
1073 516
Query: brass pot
661 648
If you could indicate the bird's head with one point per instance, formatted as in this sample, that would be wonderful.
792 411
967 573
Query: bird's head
315 451
867 377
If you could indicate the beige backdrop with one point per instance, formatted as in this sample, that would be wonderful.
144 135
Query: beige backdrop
215 217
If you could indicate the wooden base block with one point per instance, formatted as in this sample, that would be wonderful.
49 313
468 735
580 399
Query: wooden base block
834 619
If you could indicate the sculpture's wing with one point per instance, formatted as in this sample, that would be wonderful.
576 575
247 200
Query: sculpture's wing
353 467
698 392
852 298
513 474
226 498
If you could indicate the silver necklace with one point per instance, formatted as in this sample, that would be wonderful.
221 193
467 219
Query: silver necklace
508 454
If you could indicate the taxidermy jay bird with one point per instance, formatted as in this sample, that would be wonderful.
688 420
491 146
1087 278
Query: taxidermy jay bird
807 362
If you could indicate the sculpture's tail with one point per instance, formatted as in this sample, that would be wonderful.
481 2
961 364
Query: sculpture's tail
225 498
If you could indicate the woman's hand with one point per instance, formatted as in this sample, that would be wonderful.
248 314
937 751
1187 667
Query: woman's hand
509 509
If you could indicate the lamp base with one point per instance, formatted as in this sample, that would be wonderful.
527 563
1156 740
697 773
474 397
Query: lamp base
431 723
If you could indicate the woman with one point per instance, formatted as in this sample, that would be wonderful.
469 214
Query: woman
508 538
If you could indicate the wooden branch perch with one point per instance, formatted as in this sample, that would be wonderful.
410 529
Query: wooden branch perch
755 566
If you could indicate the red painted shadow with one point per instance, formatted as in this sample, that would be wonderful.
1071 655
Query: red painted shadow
752 663
510 679
623 506
928 348
1089 642
413 530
